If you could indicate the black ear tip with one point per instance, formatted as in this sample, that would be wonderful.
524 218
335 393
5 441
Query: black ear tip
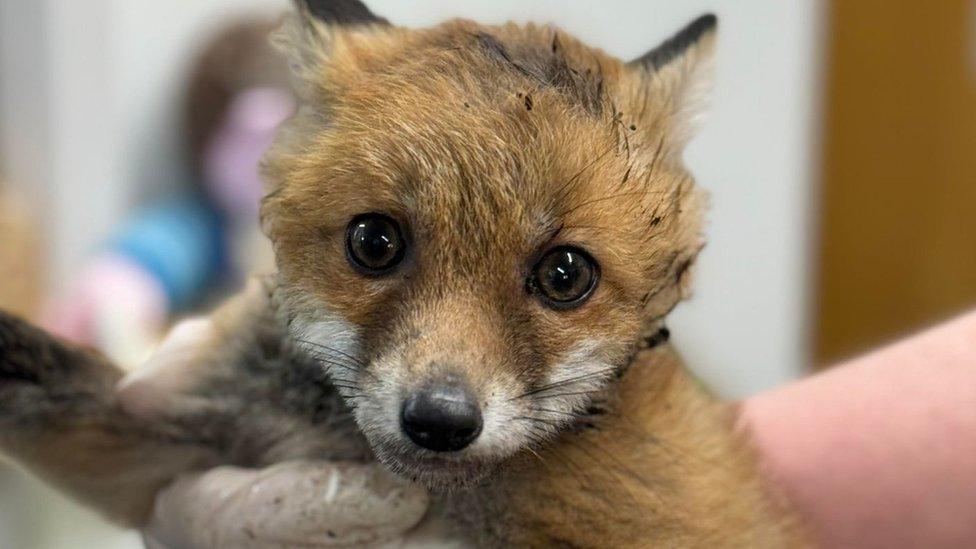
676 46
697 29
340 12
707 22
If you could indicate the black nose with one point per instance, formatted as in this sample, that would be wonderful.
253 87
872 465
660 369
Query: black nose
442 418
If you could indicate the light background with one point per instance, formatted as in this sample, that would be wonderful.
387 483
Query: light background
88 97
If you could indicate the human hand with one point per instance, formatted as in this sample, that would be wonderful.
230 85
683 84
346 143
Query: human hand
293 504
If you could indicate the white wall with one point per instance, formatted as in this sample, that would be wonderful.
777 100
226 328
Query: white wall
88 95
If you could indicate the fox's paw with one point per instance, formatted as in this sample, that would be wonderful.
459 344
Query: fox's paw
22 352
42 377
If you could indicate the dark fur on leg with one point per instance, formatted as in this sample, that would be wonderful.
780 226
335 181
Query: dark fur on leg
59 417
42 379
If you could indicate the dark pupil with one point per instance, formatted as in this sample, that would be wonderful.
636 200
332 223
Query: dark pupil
565 276
375 243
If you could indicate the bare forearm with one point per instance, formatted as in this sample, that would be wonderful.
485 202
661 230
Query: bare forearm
881 451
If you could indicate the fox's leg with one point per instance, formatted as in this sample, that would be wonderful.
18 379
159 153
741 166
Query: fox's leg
239 383
67 415
228 389
60 418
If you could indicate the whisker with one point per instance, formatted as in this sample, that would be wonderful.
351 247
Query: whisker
534 453
346 367
597 200
354 359
565 382
550 411
550 423
539 439
579 393
562 190
321 353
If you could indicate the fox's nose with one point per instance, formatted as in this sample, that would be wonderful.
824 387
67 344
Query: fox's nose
442 418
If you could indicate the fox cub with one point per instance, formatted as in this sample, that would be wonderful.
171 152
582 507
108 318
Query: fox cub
479 232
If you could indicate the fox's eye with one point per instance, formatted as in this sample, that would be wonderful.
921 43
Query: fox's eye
374 243
565 277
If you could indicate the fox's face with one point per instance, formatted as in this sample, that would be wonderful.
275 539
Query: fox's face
473 223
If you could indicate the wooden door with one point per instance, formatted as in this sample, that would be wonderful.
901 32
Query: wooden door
898 220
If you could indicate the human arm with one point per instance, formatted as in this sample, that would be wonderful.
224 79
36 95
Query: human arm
881 451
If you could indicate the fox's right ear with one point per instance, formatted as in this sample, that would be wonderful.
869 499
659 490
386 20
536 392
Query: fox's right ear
307 36
338 12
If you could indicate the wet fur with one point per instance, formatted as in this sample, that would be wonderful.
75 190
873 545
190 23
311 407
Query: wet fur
487 143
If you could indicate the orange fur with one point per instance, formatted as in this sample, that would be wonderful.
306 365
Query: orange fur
662 468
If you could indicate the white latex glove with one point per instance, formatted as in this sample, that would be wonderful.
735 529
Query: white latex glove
297 504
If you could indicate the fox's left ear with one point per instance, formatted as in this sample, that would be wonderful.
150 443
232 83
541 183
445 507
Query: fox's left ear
308 35
676 78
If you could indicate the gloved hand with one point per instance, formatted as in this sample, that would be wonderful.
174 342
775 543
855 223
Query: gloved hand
295 504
